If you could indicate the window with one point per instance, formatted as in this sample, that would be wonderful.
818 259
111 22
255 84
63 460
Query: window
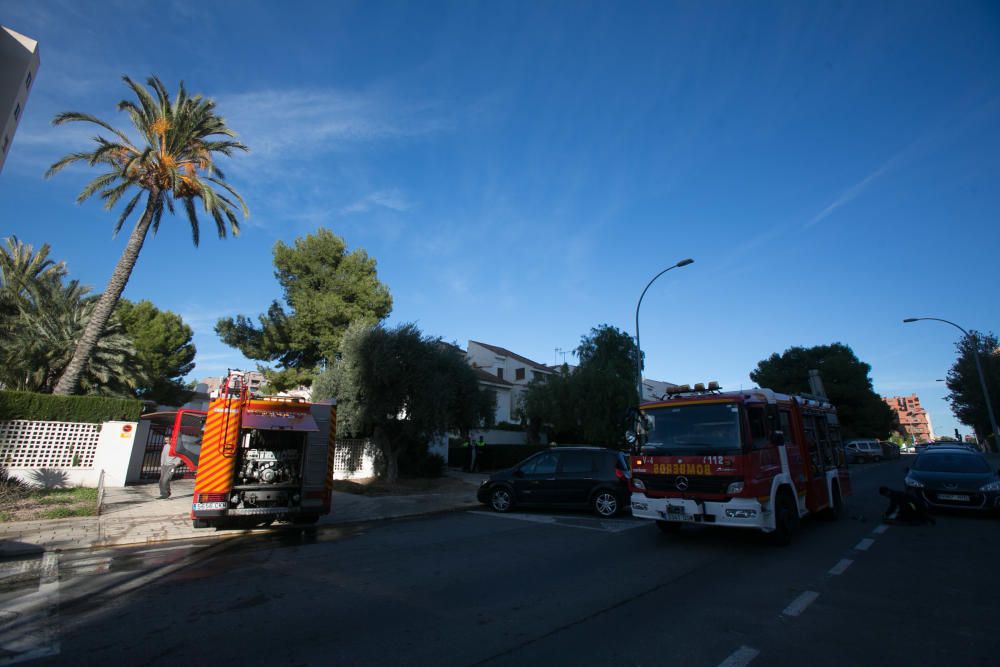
17 111
519 374
758 428
27 82
543 464
576 462
500 373
6 142
786 427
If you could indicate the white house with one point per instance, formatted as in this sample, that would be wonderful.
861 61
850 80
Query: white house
505 372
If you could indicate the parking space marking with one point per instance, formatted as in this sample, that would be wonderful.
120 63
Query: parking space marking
841 567
800 603
864 544
741 657
881 528
583 523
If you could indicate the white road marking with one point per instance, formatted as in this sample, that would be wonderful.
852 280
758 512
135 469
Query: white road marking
840 567
741 657
34 631
864 544
881 529
611 526
800 603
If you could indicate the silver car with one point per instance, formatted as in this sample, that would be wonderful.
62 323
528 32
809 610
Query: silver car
865 450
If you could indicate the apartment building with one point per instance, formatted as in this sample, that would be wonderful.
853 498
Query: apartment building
18 68
911 416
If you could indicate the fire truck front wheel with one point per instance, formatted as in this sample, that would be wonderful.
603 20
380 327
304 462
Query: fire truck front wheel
786 518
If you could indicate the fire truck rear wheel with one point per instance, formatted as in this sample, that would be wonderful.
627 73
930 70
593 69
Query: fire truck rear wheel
832 513
306 520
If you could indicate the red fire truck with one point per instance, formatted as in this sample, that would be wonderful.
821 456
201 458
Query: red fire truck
258 459
747 459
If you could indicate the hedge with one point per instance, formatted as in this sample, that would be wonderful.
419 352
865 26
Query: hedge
50 408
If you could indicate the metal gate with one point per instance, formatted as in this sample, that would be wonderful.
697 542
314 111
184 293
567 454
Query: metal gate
158 436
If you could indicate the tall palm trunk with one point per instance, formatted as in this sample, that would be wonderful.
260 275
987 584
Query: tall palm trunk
109 299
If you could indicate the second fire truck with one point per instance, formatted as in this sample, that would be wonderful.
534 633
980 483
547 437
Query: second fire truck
747 459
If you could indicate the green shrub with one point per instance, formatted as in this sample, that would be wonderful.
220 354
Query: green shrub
51 408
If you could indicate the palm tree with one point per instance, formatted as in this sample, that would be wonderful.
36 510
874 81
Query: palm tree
173 162
24 274
38 344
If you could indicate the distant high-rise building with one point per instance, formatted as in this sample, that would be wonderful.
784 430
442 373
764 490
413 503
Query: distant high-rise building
18 68
912 418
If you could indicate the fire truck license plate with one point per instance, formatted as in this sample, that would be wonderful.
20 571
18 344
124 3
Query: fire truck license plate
677 512
211 506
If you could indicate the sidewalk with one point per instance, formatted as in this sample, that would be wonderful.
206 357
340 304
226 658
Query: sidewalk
134 515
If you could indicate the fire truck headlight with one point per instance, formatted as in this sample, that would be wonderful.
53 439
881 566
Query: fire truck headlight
637 483
916 484
734 488
741 514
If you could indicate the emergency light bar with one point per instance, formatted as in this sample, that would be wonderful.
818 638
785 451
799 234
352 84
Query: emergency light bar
699 388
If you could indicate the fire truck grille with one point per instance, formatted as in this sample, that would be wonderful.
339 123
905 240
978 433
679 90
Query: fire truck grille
695 483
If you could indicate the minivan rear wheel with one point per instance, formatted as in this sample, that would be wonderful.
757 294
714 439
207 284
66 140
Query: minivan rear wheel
605 503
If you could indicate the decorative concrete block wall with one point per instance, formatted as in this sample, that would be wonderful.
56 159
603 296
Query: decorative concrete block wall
353 459
80 450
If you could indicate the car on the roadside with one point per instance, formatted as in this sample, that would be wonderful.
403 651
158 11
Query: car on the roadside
864 450
593 477
954 477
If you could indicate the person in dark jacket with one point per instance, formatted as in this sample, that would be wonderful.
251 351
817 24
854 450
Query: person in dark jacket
905 508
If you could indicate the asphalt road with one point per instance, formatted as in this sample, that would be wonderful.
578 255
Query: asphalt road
476 588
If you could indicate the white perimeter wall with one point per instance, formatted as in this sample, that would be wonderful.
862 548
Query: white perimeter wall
79 450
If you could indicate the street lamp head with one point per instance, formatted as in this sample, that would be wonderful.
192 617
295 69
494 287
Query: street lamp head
910 319
684 262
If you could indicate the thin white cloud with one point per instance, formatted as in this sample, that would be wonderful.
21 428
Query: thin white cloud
393 200
287 124
853 192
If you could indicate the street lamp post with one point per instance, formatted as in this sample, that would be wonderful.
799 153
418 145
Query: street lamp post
638 348
979 369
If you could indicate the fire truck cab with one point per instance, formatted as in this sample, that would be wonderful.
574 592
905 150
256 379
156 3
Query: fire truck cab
748 459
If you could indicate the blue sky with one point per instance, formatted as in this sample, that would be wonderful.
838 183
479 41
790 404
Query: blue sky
521 169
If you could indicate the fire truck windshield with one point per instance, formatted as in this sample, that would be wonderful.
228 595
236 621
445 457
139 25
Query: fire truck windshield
675 430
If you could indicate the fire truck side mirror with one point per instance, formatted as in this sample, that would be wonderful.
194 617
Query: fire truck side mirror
777 438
